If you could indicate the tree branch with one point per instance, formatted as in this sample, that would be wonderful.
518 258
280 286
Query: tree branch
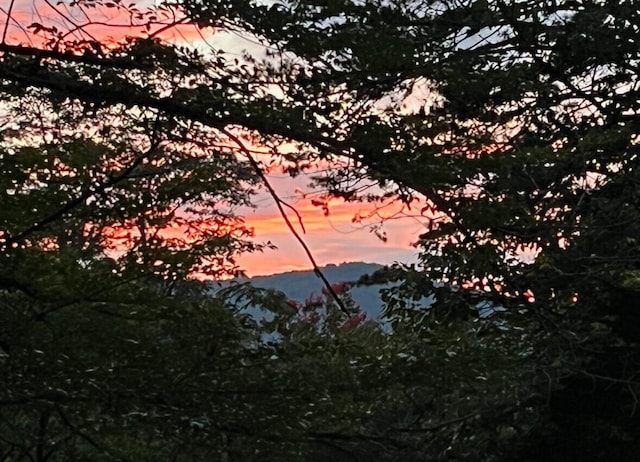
6 23
90 191
279 204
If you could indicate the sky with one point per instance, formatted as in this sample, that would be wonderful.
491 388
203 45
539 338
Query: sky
331 239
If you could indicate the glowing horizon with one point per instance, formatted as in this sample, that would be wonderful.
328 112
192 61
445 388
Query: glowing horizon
332 239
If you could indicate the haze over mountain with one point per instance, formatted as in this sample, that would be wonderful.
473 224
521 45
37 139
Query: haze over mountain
300 285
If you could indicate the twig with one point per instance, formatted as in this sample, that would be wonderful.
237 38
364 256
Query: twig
37 226
279 204
6 23
86 437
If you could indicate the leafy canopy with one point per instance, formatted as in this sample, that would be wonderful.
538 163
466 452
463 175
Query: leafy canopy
512 126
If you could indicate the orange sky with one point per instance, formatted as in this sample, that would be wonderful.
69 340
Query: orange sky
77 23
332 239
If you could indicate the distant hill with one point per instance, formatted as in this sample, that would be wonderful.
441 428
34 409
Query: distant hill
300 285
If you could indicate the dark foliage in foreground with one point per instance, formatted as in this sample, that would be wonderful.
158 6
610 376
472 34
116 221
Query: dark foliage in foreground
512 127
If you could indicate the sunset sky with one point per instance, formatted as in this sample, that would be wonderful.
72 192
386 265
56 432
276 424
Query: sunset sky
332 239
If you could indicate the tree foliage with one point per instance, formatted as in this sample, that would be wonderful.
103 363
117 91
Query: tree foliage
512 126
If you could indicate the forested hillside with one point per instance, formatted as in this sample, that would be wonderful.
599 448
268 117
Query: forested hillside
303 285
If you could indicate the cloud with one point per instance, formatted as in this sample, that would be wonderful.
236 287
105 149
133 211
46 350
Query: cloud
332 239
329 228
110 22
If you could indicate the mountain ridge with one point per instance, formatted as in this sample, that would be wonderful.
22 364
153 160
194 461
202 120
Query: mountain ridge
342 267
300 285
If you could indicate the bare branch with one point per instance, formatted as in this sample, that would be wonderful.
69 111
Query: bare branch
279 204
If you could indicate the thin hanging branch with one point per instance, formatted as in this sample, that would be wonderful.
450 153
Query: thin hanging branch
6 23
279 203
